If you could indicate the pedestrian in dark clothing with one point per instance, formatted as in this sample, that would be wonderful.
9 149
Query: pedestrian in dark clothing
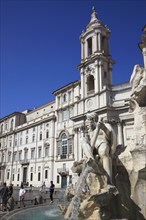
10 190
51 190
4 197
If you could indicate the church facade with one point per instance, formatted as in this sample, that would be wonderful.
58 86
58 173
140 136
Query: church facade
41 145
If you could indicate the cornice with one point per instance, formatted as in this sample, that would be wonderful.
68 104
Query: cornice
93 57
16 130
66 87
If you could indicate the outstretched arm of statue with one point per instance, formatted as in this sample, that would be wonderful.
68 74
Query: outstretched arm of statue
98 127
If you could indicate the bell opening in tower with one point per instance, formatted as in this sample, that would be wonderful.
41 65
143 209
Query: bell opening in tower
89 46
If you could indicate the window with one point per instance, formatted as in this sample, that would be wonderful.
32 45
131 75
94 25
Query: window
2 128
90 83
39 176
6 126
10 143
39 152
31 174
15 142
65 97
21 141
70 146
64 146
47 134
13 176
9 156
46 151
40 127
34 129
12 122
20 155
14 156
65 115
25 154
40 136
39 173
33 137
69 95
32 153
8 174
58 148
18 175
58 178
26 141
58 100
26 131
89 41
46 174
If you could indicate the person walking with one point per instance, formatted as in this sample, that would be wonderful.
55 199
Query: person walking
42 188
10 201
10 188
4 197
51 190
22 192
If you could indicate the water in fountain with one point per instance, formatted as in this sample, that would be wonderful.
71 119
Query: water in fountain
51 212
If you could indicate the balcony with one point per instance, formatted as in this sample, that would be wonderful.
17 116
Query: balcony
63 171
65 157
24 162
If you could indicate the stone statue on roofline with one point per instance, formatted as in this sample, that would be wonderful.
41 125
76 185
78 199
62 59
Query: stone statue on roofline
138 83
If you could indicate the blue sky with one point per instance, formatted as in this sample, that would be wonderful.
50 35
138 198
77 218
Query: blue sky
40 47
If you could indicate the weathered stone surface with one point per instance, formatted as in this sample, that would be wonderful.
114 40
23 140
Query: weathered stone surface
10 204
38 199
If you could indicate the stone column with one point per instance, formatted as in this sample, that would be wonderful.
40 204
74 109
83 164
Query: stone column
96 78
100 76
82 50
94 44
120 133
86 50
99 42
82 83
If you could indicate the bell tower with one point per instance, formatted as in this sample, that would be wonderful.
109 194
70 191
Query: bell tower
96 61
